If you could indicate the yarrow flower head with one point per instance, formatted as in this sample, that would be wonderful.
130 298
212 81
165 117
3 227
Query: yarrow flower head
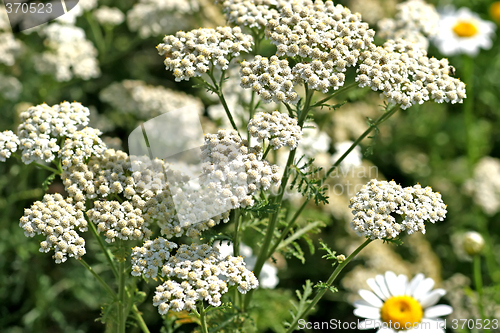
268 277
251 13
484 187
109 16
271 78
191 54
197 272
399 305
41 125
415 21
375 203
69 53
57 219
119 220
147 101
110 173
155 17
406 76
10 47
462 31
8 144
322 31
231 173
279 128
82 145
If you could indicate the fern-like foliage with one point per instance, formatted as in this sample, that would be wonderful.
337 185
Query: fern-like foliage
303 302
304 180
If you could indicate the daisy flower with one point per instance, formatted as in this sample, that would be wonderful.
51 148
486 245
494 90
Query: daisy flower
396 305
462 31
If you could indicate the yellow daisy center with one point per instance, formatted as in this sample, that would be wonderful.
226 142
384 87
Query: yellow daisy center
465 29
401 312
495 10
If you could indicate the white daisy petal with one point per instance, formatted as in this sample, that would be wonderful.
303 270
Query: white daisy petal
367 312
376 289
432 298
423 288
371 298
403 282
392 283
438 311
361 302
383 286
414 284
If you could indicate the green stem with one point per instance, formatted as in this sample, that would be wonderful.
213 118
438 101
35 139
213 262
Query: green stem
228 112
122 318
287 228
330 281
252 101
218 89
203 319
341 90
101 281
97 32
478 282
468 109
236 240
264 250
140 320
47 168
266 152
104 249
387 114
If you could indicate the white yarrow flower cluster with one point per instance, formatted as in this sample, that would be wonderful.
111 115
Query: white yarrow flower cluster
160 210
279 128
322 31
406 76
268 277
376 201
10 87
271 78
69 54
147 101
10 47
8 144
203 274
191 54
56 218
118 220
109 16
251 13
157 17
41 125
415 21
231 174
238 168
111 173
484 187
81 146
